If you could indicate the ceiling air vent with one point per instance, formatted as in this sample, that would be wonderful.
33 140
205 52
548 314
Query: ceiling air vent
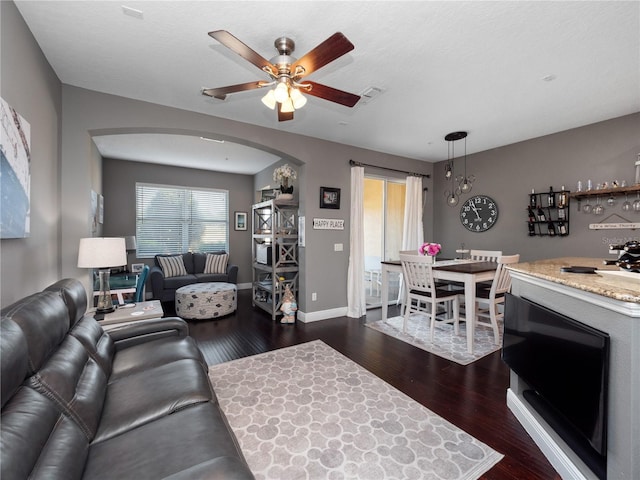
369 94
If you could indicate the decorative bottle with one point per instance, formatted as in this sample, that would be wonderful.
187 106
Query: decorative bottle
532 199
551 198
562 229
541 216
551 228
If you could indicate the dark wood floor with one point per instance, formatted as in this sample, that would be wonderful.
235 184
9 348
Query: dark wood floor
471 397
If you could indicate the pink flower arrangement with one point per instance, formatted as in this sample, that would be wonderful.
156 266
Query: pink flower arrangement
431 249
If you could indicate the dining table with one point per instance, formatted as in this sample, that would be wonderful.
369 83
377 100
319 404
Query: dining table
468 272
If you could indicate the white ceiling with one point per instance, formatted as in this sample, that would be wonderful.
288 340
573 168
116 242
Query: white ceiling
504 71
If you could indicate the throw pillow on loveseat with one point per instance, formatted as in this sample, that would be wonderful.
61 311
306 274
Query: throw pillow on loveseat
165 282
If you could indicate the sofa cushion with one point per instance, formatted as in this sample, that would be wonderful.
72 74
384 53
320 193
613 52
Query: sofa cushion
216 263
172 265
167 446
138 399
39 442
173 283
141 357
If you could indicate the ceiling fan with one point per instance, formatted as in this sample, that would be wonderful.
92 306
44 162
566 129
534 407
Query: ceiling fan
287 73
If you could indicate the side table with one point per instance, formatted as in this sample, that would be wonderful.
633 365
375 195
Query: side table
134 312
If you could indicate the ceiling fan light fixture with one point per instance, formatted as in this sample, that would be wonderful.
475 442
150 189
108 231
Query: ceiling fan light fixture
270 100
281 92
287 106
298 99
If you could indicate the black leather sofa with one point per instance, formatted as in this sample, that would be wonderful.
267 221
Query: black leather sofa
80 403
164 289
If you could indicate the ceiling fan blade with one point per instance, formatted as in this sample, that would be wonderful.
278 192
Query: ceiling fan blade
284 116
333 47
235 45
222 92
332 94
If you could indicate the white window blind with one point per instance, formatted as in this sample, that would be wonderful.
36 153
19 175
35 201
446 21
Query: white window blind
178 219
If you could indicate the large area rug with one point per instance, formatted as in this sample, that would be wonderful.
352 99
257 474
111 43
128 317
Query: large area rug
446 343
308 412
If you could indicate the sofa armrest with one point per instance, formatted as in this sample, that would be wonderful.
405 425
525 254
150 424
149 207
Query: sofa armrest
157 282
133 333
232 272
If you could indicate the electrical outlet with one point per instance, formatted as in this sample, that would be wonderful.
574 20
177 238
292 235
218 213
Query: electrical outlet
337 247
314 296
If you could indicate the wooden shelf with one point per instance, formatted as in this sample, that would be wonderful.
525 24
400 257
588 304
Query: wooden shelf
605 192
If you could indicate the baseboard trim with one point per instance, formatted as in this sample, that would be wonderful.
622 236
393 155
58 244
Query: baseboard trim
550 446
307 317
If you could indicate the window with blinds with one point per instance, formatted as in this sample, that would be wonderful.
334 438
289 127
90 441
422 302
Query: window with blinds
178 219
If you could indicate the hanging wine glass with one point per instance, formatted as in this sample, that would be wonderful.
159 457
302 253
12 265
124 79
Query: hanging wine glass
626 205
586 208
636 203
611 201
598 209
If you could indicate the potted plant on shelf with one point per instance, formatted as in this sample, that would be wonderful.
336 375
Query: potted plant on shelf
284 174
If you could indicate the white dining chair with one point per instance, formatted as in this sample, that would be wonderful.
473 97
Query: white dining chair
420 288
489 297
485 255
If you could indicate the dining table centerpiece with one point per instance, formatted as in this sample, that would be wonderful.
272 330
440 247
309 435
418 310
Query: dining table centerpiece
284 174
430 249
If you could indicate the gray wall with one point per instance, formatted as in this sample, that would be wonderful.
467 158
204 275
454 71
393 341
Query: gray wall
30 86
119 183
322 163
602 152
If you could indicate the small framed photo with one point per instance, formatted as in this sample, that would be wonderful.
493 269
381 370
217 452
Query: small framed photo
329 197
137 267
241 221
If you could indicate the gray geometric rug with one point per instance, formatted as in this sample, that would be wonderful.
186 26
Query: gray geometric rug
446 343
308 412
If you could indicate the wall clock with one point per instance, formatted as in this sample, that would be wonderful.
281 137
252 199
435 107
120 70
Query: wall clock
479 213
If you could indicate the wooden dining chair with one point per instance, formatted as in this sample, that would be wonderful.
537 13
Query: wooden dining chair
489 297
420 288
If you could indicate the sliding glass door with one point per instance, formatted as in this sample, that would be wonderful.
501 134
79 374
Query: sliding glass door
384 200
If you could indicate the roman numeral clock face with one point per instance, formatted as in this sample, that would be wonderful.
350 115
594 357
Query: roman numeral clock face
479 213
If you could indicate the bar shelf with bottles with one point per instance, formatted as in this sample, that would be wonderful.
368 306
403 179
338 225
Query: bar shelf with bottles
548 213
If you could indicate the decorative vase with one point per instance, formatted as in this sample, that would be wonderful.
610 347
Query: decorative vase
286 191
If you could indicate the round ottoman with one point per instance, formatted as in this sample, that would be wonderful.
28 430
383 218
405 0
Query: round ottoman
206 300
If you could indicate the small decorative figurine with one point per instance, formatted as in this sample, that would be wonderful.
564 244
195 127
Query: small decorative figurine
289 306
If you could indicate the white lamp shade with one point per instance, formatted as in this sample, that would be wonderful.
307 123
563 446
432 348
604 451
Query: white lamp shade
269 100
102 252
297 98
287 106
281 92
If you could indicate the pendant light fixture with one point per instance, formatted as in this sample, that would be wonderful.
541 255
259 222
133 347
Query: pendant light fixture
454 193
465 181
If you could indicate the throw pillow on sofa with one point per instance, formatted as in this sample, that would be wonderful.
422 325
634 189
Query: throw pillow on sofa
172 266
216 263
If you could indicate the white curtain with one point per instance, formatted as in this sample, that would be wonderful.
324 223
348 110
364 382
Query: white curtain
356 299
412 231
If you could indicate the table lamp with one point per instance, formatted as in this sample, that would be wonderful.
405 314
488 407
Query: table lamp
131 246
102 253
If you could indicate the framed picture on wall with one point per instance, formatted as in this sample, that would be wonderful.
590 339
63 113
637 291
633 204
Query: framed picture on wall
329 197
241 221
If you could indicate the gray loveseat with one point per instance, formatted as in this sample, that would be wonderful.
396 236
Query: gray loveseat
81 403
164 288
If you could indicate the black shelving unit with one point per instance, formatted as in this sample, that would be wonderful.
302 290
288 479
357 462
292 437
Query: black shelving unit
550 216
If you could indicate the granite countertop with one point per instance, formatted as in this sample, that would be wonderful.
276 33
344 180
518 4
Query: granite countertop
620 288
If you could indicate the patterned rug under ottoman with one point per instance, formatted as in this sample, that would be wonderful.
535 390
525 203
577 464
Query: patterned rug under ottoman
206 300
308 412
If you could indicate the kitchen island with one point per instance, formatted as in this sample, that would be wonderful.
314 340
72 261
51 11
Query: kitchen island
608 302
